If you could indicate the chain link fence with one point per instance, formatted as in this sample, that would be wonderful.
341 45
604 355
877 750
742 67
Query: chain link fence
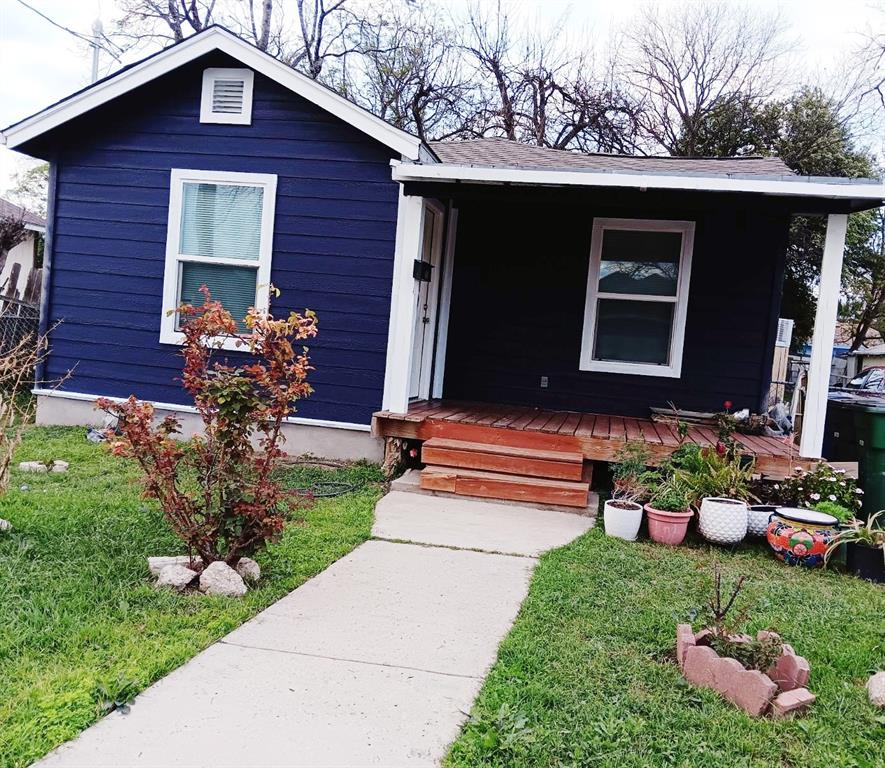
18 320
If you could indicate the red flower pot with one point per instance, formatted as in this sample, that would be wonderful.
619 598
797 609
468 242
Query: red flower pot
667 527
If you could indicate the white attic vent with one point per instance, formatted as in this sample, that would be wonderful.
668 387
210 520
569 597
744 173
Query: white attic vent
784 332
227 96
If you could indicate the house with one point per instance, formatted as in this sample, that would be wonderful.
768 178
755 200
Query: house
520 301
19 268
870 355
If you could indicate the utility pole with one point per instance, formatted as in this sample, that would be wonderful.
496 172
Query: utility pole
97 33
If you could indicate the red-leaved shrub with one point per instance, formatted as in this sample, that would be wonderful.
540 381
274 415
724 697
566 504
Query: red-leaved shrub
217 490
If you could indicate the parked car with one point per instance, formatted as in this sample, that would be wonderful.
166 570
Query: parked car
870 381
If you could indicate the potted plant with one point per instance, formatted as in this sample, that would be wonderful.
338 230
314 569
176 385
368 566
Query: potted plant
668 510
718 483
622 513
865 548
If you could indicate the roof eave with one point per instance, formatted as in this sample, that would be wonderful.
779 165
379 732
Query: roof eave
215 38
868 191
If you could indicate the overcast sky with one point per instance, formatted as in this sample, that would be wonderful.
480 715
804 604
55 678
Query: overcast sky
41 64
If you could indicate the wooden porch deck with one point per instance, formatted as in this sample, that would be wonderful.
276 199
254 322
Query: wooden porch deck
599 437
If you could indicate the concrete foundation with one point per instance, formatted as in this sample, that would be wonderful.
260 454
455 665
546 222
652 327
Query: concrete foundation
318 440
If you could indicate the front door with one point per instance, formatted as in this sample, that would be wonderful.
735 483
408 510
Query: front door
426 302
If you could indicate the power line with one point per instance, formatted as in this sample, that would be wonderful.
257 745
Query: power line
92 41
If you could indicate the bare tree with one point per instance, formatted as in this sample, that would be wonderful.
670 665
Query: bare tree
490 43
169 20
324 26
872 60
688 60
531 86
408 72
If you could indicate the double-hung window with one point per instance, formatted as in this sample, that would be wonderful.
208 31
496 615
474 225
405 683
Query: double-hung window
637 296
220 235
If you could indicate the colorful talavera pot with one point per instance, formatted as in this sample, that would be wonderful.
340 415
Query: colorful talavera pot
801 536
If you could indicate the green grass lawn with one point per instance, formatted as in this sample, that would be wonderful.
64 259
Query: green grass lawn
586 677
80 624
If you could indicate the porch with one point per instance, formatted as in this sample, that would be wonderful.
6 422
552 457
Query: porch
583 299
595 436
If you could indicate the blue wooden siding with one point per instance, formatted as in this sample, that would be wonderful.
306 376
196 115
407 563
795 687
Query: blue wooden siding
519 291
333 243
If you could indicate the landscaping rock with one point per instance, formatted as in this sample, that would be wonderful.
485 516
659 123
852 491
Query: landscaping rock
752 692
157 564
726 674
220 579
792 702
176 576
249 569
32 466
60 466
5 526
766 634
876 689
704 637
684 640
790 672
698 666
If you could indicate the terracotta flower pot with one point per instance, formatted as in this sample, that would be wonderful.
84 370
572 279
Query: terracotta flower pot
667 527
622 519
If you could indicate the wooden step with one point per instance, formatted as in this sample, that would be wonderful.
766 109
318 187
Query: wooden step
494 485
511 460
475 433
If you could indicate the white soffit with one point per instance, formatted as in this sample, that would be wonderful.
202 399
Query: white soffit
833 188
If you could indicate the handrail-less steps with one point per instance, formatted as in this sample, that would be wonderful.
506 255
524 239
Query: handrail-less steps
504 472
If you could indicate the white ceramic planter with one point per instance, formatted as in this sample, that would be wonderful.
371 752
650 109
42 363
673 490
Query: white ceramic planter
723 521
622 522
757 519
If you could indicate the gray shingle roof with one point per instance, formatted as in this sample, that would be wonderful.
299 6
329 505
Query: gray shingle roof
9 209
503 153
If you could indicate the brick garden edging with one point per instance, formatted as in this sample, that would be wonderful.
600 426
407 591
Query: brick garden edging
780 691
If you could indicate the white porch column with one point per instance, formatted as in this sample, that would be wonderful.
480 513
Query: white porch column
398 367
815 414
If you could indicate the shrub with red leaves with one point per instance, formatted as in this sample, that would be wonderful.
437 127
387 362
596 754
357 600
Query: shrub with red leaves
217 490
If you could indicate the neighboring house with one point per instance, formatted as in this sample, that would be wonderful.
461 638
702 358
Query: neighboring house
486 271
844 363
870 355
19 270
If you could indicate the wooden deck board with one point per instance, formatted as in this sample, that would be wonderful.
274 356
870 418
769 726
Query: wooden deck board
570 424
598 436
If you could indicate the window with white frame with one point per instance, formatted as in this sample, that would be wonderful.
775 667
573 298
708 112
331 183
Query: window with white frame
637 296
220 235
227 96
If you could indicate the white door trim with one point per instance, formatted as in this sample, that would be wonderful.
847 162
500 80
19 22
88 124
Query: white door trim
409 217
445 302
426 370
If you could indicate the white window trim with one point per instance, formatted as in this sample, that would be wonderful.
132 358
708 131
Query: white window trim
178 177
677 338
210 75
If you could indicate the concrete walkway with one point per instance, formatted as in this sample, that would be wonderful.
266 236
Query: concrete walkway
374 662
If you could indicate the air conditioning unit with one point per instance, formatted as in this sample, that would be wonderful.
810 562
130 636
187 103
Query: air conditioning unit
784 332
